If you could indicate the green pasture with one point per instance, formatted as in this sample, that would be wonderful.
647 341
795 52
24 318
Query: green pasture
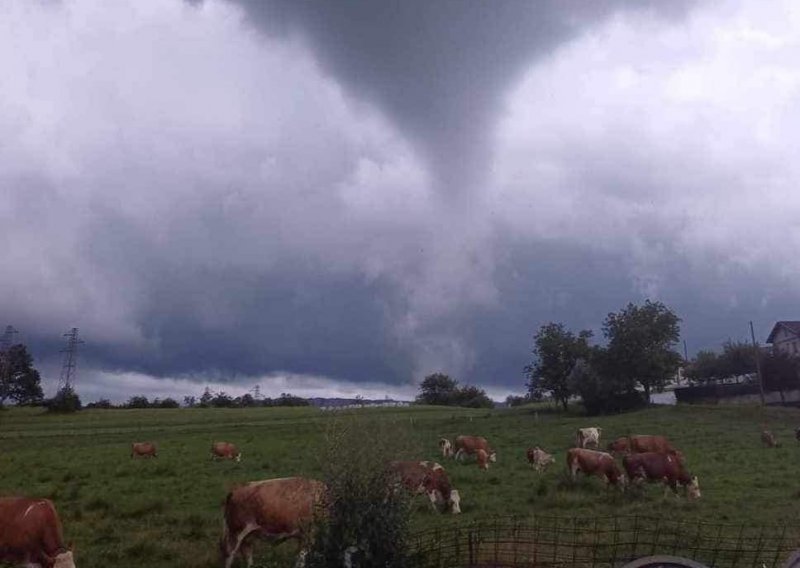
165 512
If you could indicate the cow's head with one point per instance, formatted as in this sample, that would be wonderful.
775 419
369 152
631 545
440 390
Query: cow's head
238 457
455 502
492 456
693 489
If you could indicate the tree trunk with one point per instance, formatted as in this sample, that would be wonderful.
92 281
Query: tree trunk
564 402
647 393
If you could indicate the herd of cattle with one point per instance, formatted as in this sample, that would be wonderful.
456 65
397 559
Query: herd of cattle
280 509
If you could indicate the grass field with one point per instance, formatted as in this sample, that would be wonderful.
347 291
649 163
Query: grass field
166 512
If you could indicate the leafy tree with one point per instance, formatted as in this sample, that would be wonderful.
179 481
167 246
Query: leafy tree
738 358
640 345
19 381
601 392
557 350
138 402
222 400
189 401
65 400
103 403
206 398
781 371
245 401
706 366
472 397
438 389
168 403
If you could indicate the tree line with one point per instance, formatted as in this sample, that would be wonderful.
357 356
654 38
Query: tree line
780 370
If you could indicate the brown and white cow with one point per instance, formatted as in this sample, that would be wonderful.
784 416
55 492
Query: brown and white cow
660 467
143 450
589 437
769 440
468 445
641 444
275 509
225 451
592 462
431 479
539 459
31 534
446 447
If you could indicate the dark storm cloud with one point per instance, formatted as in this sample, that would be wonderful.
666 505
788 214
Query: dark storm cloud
240 192
438 69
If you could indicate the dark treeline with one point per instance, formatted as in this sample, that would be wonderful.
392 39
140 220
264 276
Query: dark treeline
208 399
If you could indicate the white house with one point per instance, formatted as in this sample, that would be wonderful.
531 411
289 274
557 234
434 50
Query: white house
785 337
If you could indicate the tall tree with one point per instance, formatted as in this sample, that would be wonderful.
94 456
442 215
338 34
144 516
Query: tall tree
557 350
640 345
19 381
438 388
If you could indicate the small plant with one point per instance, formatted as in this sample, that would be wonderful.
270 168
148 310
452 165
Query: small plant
365 518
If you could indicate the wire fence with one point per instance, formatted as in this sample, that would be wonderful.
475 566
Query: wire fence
602 542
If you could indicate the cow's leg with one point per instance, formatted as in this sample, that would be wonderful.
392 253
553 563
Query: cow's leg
240 538
457 457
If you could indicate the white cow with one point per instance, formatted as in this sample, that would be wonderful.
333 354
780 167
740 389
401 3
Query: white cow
589 437
446 447
539 459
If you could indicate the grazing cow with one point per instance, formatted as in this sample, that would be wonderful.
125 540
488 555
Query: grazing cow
468 445
667 468
429 478
589 437
30 534
143 450
592 462
276 509
446 447
225 450
539 459
644 443
769 440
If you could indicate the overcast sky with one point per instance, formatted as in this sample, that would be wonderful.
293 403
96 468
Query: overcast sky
341 197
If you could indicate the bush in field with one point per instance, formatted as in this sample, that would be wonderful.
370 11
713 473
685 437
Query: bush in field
363 509
65 400
103 403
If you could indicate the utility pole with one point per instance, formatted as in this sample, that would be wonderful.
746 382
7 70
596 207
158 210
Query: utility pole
685 352
758 364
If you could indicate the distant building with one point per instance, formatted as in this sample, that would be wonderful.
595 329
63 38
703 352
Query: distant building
785 337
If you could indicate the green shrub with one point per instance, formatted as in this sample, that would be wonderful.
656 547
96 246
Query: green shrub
363 509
